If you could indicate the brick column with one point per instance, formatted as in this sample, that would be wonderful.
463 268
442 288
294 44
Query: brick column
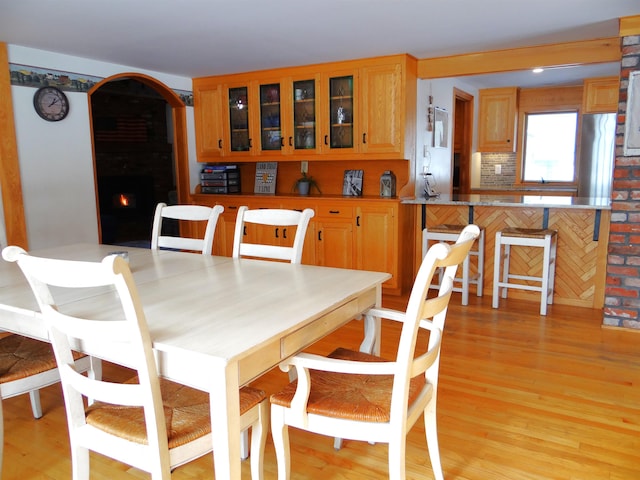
622 293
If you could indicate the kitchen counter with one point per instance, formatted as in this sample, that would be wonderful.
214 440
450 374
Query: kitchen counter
582 224
540 201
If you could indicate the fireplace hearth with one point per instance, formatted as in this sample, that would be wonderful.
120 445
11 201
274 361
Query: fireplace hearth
126 208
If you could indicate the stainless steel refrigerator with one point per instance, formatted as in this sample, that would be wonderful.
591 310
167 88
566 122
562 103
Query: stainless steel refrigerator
597 155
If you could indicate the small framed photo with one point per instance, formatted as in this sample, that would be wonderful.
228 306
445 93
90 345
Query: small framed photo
440 128
352 185
632 118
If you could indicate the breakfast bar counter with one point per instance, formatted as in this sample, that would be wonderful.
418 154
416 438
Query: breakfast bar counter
582 224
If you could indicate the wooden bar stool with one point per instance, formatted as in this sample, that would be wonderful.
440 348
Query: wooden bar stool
450 233
525 237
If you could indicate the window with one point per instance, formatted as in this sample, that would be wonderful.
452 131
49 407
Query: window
550 147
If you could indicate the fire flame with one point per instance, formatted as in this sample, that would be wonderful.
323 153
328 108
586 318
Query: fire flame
124 200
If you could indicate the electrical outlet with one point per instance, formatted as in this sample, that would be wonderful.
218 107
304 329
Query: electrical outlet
498 169
304 167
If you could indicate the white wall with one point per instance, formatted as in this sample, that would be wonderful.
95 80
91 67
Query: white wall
439 161
56 163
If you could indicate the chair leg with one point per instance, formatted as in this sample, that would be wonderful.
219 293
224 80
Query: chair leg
244 445
79 463
36 408
258 441
397 451
280 435
431 431
1 436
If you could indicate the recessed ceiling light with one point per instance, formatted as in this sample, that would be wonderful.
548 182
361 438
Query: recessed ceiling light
538 70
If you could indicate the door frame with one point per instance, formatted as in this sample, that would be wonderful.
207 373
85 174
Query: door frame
179 118
465 99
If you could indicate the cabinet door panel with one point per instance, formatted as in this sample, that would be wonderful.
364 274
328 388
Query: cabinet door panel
381 109
334 243
497 119
208 125
376 244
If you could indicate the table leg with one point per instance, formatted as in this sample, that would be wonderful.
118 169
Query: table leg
225 422
372 329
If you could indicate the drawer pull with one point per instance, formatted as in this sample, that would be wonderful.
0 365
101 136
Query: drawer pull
334 212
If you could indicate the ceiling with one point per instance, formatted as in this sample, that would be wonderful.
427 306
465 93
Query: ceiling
194 38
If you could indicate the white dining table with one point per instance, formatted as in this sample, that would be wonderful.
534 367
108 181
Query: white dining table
216 323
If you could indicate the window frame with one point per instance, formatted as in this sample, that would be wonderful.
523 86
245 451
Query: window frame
547 100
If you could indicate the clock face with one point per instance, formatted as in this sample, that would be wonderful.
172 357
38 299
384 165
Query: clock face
51 103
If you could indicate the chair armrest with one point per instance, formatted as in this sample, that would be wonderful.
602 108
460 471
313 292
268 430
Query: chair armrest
386 313
307 361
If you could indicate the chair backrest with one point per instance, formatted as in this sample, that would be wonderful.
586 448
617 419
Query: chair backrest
193 213
428 314
119 328
275 217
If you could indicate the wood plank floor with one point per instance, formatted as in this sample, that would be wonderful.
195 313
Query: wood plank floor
521 397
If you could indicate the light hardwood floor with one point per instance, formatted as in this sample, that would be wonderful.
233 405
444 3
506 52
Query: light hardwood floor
521 397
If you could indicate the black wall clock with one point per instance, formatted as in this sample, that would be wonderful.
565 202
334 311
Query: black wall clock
51 103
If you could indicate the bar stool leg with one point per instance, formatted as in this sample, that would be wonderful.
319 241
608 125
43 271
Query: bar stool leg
496 270
505 269
465 281
552 275
544 294
480 284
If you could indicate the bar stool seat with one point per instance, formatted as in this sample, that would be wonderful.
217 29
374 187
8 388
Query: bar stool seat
450 233
525 237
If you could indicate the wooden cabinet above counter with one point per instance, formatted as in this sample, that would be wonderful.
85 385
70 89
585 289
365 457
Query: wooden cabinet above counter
497 119
361 109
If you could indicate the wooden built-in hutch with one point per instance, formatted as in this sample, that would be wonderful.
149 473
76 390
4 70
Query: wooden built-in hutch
353 115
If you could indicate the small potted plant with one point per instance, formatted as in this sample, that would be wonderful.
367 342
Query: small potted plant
304 183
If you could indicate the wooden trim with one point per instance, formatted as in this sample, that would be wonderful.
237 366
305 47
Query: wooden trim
12 201
572 53
179 132
630 26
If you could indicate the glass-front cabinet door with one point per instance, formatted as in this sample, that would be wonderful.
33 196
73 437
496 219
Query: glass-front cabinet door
341 112
270 118
304 114
240 139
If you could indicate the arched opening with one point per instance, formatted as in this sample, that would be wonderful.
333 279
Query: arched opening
139 150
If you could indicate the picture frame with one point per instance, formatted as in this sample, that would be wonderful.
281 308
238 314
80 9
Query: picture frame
352 183
440 128
632 117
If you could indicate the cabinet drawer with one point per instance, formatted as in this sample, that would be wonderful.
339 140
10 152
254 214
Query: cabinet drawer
334 211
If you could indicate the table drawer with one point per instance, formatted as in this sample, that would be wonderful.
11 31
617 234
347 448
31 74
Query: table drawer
304 337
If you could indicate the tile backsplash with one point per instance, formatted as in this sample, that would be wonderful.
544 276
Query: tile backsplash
507 167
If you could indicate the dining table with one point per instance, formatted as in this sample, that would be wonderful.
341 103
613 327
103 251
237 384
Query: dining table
216 323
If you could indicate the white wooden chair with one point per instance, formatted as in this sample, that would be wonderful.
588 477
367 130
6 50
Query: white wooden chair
193 213
363 397
129 421
279 218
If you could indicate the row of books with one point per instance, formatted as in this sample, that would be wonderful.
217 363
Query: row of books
220 179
